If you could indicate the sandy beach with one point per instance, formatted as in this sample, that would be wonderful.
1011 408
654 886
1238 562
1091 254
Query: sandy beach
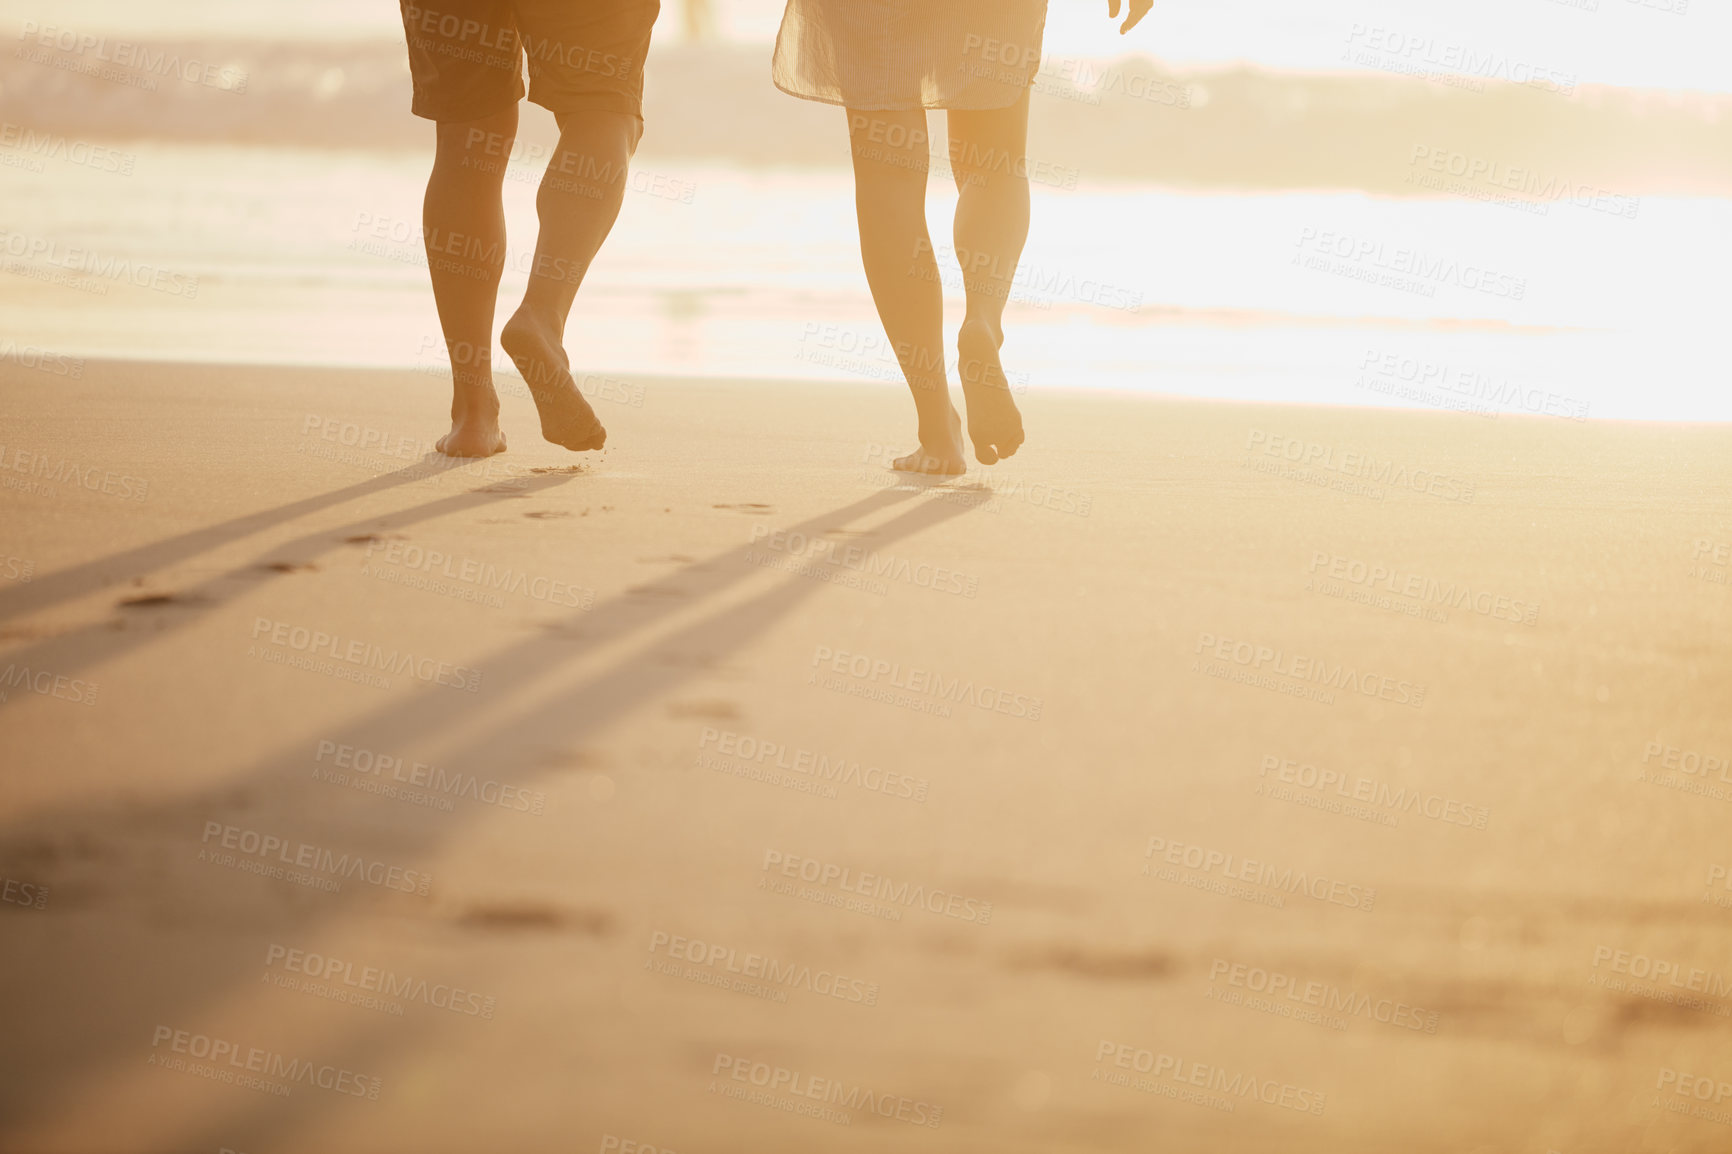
1312 740
1210 776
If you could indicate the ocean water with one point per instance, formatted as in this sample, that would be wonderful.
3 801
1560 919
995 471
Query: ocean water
1594 309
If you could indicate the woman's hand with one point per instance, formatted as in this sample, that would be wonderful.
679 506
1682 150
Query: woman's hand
1135 10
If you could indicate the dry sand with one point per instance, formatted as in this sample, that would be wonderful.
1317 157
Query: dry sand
1485 999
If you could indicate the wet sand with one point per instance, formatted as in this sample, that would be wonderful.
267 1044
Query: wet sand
1208 777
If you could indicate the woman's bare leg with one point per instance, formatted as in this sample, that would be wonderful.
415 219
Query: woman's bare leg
988 152
891 158
463 224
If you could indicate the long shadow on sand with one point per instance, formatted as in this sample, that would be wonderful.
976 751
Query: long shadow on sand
78 580
222 948
85 647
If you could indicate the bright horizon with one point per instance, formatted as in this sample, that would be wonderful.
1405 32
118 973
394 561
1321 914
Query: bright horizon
1627 43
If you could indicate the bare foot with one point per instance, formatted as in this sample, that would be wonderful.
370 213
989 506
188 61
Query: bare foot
566 418
994 423
940 453
472 437
474 423
933 463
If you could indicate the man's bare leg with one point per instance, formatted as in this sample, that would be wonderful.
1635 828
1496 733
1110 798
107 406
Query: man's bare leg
902 272
987 150
463 221
577 203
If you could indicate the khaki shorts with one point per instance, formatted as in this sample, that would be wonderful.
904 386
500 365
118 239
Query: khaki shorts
466 56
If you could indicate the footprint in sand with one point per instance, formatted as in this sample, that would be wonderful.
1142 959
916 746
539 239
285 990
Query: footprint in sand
538 916
713 708
155 600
